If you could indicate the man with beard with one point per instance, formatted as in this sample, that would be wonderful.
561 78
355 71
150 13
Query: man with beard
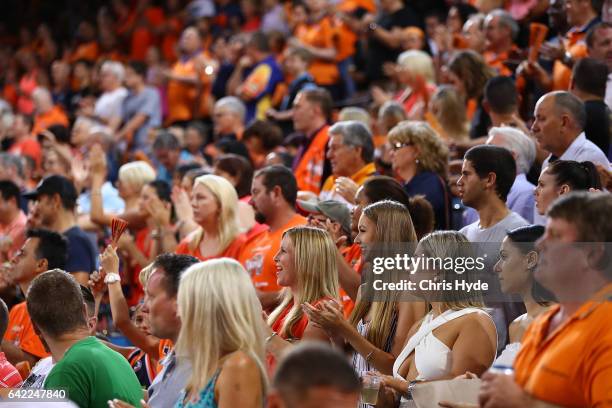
273 195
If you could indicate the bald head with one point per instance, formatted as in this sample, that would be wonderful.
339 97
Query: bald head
42 100
559 118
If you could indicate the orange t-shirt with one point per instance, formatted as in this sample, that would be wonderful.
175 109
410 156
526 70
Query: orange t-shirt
258 253
572 366
232 250
20 332
55 116
321 34
182 97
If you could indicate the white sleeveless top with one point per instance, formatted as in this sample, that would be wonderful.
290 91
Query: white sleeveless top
432 358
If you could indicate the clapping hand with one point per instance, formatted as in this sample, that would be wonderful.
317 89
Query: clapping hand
183 208
327 315
160 211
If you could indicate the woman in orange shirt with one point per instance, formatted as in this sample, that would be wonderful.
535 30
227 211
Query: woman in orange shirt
307 269
215 209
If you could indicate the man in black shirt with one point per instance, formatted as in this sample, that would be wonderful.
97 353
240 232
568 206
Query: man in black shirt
588 83
384 43
54 208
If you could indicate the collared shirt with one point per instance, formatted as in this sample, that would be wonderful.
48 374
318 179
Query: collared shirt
572 366
169 382
581 150
328 192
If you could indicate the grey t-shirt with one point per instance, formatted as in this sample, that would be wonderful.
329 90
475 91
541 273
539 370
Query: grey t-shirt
169 382
495 233
487 242
148 103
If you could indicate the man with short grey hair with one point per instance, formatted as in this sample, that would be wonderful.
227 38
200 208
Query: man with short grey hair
108 106
229 114
558 127
500 30
350 151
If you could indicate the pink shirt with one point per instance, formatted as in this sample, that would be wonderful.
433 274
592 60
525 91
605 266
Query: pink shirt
9 376
15 232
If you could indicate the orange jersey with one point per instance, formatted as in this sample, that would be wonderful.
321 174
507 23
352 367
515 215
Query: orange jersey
188 247
257 255
497 61
164 348
182 97
20 332
571 366
574 44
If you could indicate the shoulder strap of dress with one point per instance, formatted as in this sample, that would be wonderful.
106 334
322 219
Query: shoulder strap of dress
427 328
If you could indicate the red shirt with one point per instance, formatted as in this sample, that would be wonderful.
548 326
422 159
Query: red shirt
232 250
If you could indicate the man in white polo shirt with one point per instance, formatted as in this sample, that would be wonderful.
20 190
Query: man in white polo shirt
559 123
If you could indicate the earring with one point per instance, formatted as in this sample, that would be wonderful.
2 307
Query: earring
417 161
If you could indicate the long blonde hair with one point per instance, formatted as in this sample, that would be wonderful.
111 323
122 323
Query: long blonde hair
228 226
220 314
393 226
316 272
453 245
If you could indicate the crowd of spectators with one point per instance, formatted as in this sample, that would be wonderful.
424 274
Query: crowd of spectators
264 154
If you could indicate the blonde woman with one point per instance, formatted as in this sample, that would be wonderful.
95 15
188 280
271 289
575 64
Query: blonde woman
415 73
215 209
132 178
449 115
457 335
307 269
419 157
377 330
222 336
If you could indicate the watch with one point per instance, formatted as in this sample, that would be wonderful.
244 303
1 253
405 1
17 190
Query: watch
112 278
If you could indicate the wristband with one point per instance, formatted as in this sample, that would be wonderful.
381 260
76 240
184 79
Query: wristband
270 337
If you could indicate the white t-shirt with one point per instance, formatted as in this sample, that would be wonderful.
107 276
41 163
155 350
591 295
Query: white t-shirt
109 104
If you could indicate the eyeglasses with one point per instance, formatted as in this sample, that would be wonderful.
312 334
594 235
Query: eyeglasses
398 145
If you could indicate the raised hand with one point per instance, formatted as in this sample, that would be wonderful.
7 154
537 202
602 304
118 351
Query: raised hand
109 261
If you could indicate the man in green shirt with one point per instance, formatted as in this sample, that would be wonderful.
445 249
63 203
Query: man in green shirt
89 372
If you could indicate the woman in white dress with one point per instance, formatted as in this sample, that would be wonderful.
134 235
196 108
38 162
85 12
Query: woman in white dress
457 335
